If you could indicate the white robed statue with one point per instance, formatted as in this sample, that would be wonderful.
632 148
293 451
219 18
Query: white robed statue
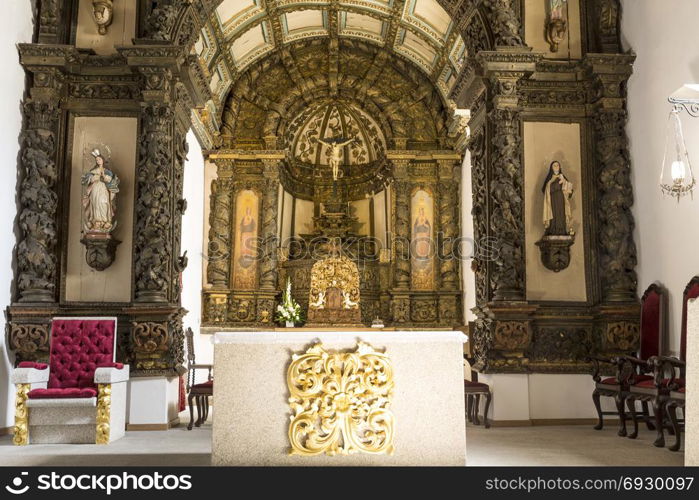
99 198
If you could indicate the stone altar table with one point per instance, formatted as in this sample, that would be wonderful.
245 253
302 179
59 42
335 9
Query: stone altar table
252 412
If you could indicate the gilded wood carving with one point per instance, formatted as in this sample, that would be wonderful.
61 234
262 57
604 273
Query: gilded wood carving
341 402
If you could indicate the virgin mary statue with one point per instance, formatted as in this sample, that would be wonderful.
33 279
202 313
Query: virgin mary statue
557 191
99 204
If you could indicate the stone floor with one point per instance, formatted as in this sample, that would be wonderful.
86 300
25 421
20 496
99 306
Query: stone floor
500 446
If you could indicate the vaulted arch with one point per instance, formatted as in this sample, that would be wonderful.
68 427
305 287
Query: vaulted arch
272 92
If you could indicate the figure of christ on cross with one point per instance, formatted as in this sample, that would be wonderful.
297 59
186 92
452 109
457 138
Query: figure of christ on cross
336 144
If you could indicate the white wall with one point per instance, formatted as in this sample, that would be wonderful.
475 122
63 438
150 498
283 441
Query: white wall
192 242
468 243
663 35
15 26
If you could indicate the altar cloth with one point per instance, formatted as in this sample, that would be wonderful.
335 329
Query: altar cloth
252 414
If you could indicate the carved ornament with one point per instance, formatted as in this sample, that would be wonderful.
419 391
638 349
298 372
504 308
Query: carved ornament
340 402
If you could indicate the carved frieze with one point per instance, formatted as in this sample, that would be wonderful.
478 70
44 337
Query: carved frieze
622 336
215 308
511 335
30 342
241 309
563 344
150 344
423 310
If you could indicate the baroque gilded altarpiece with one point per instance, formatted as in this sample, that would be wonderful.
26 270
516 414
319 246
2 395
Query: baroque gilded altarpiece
160 80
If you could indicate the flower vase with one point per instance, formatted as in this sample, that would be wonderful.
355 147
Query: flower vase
289 324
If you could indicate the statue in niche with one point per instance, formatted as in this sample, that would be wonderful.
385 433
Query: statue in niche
557 190
336 144
99 197
556 24
557 217
100 187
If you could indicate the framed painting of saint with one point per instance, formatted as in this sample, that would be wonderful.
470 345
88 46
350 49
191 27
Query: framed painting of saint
245 243
422 244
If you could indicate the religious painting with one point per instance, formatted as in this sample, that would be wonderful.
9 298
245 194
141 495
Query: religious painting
245 246
422 245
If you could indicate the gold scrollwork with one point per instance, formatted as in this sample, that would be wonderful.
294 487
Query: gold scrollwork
21 428
104 407
340 402
338 272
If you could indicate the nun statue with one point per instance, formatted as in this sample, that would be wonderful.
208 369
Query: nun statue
557 190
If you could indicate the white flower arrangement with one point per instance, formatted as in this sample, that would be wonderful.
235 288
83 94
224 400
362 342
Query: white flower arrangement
289 311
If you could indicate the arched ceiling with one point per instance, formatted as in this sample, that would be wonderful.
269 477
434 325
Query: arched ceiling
263 106
241 33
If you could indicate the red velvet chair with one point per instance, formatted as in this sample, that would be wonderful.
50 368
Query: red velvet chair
668 376
80 397
633 369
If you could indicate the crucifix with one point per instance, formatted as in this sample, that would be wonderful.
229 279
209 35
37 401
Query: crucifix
336 144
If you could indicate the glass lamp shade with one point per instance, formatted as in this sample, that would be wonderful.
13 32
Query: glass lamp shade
676 177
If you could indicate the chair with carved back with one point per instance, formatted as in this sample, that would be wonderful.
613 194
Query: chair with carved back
80 396
668 377
633 368
201 392
473 389
676 399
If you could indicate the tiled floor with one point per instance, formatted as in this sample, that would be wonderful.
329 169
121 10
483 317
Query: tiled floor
555 445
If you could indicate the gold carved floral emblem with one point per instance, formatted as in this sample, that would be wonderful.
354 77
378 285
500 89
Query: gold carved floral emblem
340 402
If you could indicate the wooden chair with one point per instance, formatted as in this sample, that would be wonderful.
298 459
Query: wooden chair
633 369
473 390
197 392
665 376
676 400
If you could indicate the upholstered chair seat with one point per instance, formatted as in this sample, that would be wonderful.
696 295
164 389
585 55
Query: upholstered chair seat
80 397
634 379
209 384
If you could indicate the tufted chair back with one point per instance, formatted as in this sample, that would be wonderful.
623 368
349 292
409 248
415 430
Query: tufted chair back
78 347
653 321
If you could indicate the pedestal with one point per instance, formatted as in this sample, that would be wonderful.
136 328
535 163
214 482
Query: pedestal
252 417
153 403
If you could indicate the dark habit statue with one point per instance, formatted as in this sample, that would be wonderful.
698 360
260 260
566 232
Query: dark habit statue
558 221
557 190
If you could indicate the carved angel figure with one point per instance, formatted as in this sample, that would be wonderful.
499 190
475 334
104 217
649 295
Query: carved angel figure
320 303
347 302
99 197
